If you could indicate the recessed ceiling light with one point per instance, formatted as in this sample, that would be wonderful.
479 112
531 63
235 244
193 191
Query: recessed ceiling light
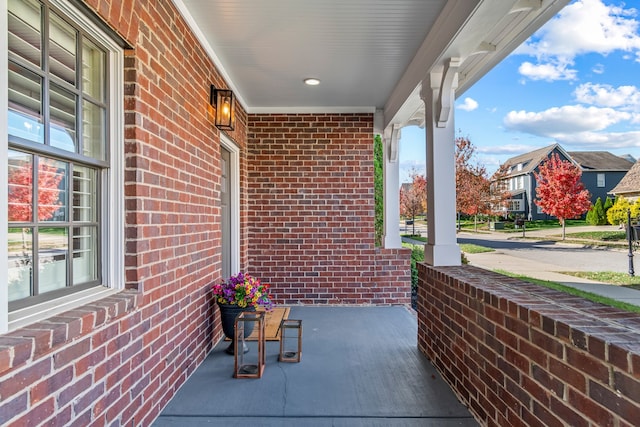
311 82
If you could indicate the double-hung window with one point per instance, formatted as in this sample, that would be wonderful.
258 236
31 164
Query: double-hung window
63 155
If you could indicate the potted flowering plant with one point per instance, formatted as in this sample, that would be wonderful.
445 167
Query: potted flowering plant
239 293
243 291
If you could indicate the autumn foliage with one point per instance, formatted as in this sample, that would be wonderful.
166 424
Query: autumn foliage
413 197
559 191
475 195
21 191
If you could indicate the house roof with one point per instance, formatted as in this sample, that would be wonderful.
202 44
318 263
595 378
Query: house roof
370 55
530 160
600 161
630 183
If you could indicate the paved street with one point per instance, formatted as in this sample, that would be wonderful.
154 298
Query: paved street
558 255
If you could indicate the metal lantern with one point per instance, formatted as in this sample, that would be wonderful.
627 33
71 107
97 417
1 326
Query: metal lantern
224 103
290 340
251 364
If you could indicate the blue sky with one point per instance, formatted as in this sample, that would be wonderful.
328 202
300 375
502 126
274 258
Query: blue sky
575 82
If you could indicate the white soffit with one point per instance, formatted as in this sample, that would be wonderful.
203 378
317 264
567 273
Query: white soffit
358 49
368 54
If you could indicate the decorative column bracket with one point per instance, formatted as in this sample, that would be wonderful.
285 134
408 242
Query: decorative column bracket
392 135
446 96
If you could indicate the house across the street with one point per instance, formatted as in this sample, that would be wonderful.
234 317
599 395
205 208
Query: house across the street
629 185
601 172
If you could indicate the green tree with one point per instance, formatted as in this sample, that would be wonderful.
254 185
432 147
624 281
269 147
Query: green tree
378 185
607 205
596 214
591 218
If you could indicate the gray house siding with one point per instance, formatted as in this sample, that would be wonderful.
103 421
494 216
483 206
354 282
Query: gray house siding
590 180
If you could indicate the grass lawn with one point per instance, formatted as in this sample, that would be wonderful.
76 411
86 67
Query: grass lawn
621 279
605 236
470 248
415 237
509 226
573 291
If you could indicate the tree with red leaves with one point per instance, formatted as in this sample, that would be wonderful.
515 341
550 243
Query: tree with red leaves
21 191
413 197
473 188
499 193
559 191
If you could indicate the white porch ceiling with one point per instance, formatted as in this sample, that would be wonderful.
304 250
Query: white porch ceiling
370 55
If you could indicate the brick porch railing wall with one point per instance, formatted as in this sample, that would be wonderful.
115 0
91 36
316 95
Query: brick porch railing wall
522 355
311 212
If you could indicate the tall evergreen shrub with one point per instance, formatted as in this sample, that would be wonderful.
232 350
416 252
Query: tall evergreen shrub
378 185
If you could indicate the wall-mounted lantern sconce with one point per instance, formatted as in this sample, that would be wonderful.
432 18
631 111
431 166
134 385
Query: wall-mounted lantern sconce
224 104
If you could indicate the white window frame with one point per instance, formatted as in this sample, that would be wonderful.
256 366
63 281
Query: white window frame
234 201
601 180
113 247
515 205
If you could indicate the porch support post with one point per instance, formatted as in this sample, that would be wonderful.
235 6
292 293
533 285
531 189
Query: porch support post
438 94
391 188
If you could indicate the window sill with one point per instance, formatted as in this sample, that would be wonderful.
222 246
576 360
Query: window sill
26 316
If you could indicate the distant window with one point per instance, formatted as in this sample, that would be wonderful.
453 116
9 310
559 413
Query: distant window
515 205
519 166
601 180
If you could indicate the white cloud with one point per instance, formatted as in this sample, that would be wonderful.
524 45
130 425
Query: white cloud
601 140
598 69
559 121
548 72
469 104
585 26
604 95
582 127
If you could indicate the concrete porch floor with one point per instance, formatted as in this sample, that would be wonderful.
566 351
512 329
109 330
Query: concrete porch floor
360 367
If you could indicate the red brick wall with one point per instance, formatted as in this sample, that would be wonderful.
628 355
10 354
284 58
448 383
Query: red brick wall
118 361
521 355
311 212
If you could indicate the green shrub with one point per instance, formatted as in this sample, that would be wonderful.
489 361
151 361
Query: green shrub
596 214
608 202
378 184
617 214
417 255
591 218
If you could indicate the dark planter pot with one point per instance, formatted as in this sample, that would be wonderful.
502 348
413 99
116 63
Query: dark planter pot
228 314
